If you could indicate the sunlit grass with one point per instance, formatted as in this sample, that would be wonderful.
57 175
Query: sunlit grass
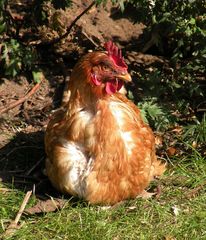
179 212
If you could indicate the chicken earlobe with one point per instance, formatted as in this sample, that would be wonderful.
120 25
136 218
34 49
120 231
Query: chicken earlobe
95 80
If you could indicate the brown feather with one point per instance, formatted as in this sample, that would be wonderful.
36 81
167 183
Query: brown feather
98 147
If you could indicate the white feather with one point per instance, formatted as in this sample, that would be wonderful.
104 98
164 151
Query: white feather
80 164
119 113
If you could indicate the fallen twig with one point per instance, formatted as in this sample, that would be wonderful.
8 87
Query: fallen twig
195 191
13 226
34 166
21 100
4 190
90 39
158 192
58 39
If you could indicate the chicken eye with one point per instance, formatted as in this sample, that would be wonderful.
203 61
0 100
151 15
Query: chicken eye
105 68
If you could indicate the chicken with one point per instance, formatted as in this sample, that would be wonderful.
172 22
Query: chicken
98 147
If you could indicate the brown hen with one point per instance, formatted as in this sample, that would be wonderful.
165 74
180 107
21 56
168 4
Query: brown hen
97 144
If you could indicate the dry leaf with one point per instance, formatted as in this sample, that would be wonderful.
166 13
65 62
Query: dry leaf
177 130
132 207
49 205
194 144
116 238
158 192
105 208
4 190
169 238
175 210
171 151
158 141
195 191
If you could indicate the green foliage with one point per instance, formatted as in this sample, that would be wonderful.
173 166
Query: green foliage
177 28
2 24
15 57
98 2
154 114
168 99
12 57
2 17
121 4
37 76
152 111
196 132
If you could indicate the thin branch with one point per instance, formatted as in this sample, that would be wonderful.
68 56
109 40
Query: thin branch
21 100
56 40
34 166
90 39
17 148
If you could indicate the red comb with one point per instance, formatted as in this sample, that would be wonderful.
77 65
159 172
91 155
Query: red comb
115 53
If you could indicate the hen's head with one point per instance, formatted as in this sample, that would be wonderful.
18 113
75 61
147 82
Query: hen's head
104 72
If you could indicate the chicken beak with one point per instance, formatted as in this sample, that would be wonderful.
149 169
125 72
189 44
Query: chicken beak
124 77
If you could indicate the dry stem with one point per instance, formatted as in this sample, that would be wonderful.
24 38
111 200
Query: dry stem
21 100
13 226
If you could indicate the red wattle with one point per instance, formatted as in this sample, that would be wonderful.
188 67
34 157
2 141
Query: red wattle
119 86
110 88
113 86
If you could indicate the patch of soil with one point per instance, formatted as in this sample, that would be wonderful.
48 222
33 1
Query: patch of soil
102 25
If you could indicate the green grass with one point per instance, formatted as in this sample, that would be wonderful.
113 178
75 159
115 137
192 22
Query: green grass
134 219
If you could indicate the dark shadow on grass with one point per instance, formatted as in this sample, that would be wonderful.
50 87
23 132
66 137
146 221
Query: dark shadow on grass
22 164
